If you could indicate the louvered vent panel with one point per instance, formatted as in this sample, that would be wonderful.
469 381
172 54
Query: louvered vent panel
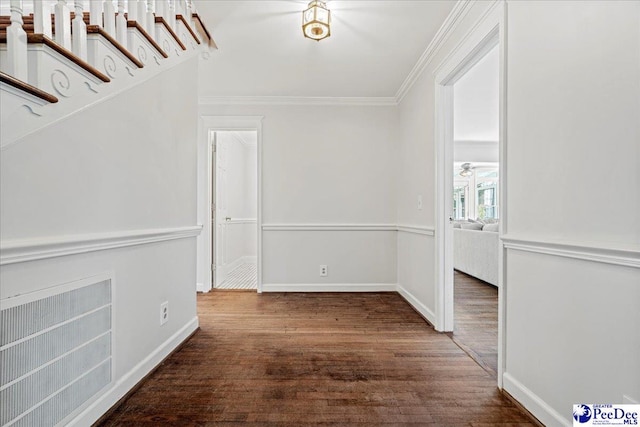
55 354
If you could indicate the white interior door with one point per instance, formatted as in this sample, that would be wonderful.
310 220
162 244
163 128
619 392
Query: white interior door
221 209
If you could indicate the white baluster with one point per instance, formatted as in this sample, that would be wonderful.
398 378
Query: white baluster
172 14
42 18
142 13
188 13
79 31
109 18
132 10
151 20
63 24
17 43
95 12
161 8
121 24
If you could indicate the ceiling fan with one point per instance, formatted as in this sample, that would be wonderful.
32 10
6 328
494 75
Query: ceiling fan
466 170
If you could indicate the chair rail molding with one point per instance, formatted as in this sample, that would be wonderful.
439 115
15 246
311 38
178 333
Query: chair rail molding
329 227
587 251
416 229
23 250
241 221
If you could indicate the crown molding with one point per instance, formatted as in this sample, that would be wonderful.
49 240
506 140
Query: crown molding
382 101
452 21
454 18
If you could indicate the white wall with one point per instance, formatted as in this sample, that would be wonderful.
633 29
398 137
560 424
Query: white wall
325 165
573 109
125 164
416 177
573 156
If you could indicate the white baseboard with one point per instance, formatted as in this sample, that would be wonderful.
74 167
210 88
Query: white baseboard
122 386
425 311
329 287
533 403
200 287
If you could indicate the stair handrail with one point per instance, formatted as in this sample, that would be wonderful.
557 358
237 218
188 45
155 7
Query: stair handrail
55 21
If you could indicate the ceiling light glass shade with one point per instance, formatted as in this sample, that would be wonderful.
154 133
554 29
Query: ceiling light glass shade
466 170
316 21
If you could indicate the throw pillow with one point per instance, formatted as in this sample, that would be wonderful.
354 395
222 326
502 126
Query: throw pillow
472 226
491 227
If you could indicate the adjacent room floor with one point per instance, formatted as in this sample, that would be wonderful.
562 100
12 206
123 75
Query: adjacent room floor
305 359
476 320
243 277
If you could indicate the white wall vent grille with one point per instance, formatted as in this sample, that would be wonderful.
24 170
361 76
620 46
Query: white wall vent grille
55 351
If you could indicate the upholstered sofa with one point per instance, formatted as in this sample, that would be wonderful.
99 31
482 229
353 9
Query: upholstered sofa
475 251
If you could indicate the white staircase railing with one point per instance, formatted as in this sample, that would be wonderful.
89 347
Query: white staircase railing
79 31
17 43
75 57
63 27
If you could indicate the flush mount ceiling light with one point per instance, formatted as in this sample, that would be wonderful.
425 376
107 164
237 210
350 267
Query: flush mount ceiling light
467 170
316 21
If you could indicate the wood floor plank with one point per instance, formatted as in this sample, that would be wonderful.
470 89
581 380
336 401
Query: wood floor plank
316 359
476 320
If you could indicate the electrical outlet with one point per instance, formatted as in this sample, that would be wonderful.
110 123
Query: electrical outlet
164 312
419 203
324 271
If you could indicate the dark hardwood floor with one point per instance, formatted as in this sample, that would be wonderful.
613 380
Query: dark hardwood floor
476 320
316 359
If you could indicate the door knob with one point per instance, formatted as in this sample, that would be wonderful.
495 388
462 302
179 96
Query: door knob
228 218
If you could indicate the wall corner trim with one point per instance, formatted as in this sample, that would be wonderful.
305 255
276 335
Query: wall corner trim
23 250
533 403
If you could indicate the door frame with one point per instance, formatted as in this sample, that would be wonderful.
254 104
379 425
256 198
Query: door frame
208 125
484 36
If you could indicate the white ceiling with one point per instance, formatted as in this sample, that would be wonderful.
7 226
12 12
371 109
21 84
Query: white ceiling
262 52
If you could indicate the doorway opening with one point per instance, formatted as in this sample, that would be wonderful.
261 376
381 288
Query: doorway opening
482 197
249 130
475 210
234 186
